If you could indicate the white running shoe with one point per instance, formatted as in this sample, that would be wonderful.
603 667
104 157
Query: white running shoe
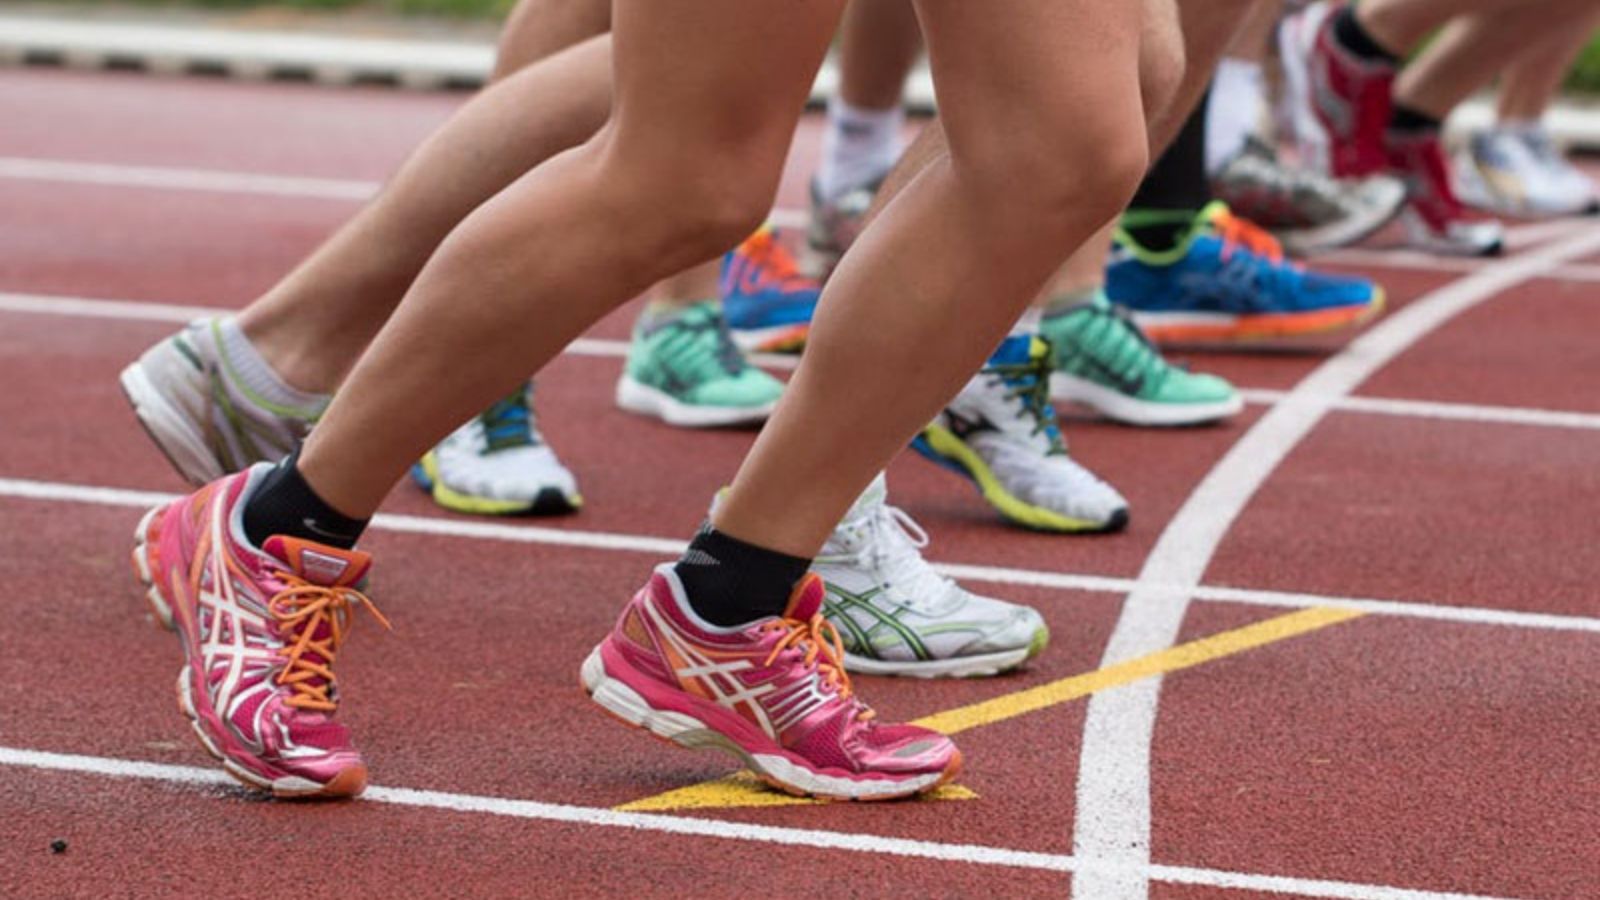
897 616
1001 432
498 464
1519 172
203 414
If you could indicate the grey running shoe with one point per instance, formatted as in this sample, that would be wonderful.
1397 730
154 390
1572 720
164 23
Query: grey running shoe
835 224
1306 210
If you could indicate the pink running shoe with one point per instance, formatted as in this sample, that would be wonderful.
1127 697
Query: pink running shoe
773 693
1339 104
260 629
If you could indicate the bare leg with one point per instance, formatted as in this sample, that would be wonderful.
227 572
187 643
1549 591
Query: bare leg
312 325
1014 185
1534 78
1472 50
878 43
686 167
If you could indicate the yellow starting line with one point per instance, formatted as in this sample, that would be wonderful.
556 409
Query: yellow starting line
744 790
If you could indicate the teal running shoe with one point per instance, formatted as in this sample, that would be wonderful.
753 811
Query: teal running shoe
684 369
1103 361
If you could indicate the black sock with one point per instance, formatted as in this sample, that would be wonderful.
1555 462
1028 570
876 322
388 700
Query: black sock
1406 120
1176 183
283 503
729 582
1351 36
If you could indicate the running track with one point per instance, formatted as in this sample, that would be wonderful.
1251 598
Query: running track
1380 584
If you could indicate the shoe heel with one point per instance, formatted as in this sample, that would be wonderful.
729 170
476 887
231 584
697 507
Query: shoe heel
628 706
145 540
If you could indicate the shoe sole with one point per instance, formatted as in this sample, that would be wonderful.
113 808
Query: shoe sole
980 666
1119 407
550 501
173 432
944 448
348 783
777 339
780 772
637 397
1170 328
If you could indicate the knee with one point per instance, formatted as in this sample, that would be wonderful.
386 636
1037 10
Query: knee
1069 168
697 205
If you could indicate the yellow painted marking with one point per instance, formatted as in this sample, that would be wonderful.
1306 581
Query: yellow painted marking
1183 656
744 789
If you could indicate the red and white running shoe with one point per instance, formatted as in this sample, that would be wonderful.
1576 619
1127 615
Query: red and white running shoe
1435 219
773 693
260 629
1338 104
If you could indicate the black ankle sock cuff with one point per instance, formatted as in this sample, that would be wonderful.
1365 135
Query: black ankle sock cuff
730 582
1350 34
1406 119
284 503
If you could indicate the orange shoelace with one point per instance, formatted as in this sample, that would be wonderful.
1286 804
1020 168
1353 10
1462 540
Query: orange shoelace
818 638
1244 233
301 609
775 262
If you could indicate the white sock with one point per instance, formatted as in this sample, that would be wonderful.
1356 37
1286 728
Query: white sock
1238 95
858 147
251 371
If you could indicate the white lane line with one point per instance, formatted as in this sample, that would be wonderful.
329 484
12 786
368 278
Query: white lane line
182 178
1460 412
173 178
58 492
656 823
1113 801
133 310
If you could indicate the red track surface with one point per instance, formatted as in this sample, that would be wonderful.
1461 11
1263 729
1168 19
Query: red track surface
1394 751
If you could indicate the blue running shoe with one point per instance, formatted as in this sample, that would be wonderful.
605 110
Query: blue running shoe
1228 279
767 301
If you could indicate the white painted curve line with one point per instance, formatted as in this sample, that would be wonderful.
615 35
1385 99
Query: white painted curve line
184 179
58 492
1113 801
852 842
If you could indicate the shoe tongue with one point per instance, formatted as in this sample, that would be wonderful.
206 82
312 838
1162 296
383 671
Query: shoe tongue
871 498
806 599
319 563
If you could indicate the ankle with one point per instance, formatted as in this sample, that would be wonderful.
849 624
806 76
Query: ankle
729 582
284 503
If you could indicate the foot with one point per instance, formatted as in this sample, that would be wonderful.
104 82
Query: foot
774 694
1339 103
498 464
260 628
1103 361
202 414
1228 280
1435 218
1518 172
767 300
1001 432
684 369
1306 210
897 616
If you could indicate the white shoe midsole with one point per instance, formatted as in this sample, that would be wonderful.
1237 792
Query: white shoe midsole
637 397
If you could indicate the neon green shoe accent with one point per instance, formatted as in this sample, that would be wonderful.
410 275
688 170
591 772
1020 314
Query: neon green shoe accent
455 501
1098 341
1198 222
1041 640
690 357
955 451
